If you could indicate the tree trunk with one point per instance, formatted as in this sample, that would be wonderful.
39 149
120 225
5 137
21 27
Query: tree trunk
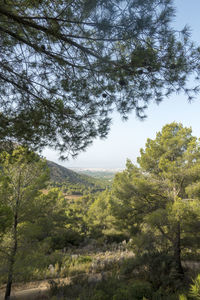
12 260
177 252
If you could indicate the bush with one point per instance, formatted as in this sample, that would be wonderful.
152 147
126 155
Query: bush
100 295
195 289
140 289
128 266
137 291
65 238
165 295
182 297
114 237
122 294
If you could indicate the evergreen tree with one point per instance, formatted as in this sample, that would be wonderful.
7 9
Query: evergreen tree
66 65
23 175
100 220
160 198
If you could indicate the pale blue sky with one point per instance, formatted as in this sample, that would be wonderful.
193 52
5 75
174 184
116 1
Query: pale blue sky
126 138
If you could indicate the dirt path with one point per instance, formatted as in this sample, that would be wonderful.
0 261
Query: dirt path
30 294
38 290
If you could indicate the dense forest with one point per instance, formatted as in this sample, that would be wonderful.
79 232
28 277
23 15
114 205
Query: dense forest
137 239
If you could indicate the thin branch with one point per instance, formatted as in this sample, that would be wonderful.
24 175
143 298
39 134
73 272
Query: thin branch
38 48
20 87
50 31
164 234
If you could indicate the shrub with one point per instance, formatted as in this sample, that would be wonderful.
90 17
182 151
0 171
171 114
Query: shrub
121 294
182 297
128 266
100 295
165 295
140 289
137 291
195 289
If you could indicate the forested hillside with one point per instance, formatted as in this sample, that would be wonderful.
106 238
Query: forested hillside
61 174
72 182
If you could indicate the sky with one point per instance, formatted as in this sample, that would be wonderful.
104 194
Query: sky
125 139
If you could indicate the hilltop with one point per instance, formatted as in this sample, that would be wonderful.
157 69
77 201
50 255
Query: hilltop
62 175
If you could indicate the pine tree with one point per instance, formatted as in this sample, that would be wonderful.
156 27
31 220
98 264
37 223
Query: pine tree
160 198
23 175
66 65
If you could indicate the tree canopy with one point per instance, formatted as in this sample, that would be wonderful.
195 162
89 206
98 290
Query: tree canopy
160 199
22 175
65 65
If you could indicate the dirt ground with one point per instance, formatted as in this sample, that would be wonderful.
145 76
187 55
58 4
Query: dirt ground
37 290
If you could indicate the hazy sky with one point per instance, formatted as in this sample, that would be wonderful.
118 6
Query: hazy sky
126 138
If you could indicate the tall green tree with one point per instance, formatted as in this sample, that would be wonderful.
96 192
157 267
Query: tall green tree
99 216
23 175
160 198
65 65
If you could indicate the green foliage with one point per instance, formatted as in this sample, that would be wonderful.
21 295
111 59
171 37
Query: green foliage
112 288
158 202
100 295
63 69
139 289
182 297
5 218
121 294
154 204
99 214
22 176
165 295
195 288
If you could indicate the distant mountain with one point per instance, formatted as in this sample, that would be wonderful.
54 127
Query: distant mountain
60 174
98 173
